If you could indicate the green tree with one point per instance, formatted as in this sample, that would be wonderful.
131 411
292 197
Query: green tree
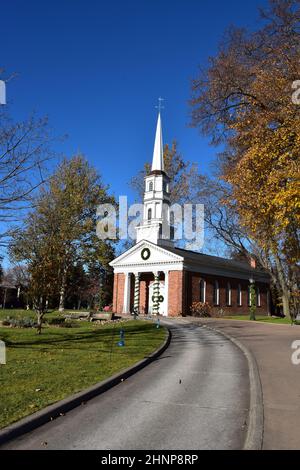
61 231
36 247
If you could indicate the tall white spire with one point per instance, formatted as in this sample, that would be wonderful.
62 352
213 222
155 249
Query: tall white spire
156 226
158 158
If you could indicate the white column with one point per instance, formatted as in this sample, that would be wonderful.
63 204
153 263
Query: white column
155 304
126 303
136 293
166 303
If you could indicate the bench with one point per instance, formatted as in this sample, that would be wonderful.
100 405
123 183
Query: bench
77 316
102 316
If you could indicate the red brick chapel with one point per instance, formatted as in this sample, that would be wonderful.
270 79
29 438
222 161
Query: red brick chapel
155 277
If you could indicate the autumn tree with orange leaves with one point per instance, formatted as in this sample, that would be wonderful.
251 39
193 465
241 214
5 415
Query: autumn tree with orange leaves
244 102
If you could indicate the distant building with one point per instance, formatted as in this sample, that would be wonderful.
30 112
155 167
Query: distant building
156 277
9 295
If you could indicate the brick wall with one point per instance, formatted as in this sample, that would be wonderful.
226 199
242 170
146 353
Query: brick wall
118 294
176 289
184 288
193 288
143 294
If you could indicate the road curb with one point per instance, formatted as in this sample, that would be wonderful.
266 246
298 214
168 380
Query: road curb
59 408
255 430
258 322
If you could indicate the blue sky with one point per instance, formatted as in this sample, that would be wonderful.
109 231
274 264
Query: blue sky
97 68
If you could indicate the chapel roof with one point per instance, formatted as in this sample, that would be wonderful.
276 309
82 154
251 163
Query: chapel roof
194 257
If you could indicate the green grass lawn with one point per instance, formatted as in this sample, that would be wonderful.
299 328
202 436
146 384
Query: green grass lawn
42 369
261 318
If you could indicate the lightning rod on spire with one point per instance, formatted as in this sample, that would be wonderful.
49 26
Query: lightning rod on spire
160 106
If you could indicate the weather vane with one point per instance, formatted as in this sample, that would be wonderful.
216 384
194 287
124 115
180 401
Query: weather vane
160 106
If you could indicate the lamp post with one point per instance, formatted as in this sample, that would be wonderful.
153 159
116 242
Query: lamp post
252 299
101 284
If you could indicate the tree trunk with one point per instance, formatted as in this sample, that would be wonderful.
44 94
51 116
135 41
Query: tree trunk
40 310
61 299
4 300
285 292
39 322
62 292
286 304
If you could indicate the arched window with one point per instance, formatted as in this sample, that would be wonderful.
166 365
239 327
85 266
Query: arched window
149 214
202 290
258 304
151 186
172 217
228 294
249 296
216 293
239 295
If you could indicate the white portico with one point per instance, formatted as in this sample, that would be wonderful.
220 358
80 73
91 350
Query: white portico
145 272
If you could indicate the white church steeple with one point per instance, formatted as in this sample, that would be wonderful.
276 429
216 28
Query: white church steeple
158 157
156 218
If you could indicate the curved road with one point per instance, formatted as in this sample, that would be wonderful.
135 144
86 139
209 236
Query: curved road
194 396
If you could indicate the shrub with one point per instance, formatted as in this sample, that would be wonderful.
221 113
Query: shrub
28 323
19 322
219 313
68 324
200 309
107 308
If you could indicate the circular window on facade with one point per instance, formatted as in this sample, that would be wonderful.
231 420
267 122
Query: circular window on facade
145 254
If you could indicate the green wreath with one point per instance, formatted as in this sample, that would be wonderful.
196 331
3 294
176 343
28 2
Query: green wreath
145 254
160 298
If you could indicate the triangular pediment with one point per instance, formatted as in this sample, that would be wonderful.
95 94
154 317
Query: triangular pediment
146 253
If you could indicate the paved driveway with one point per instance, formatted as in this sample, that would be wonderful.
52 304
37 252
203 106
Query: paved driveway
271 346
194 396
